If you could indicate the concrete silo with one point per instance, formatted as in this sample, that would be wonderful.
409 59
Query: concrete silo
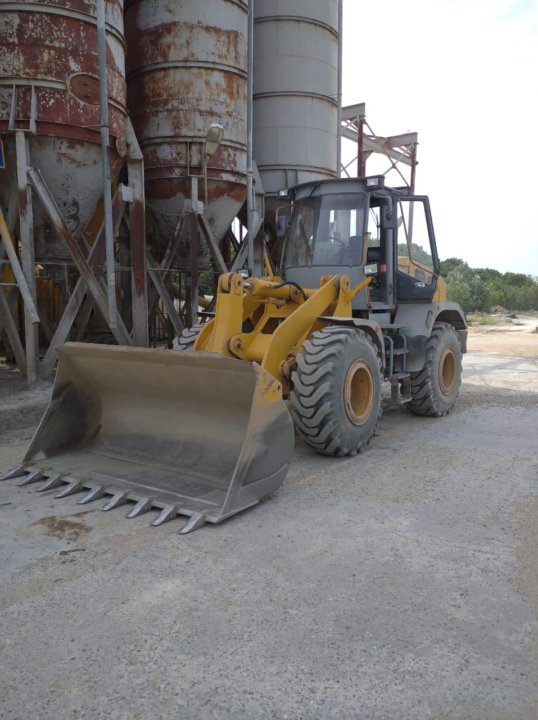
49 91
295 91
50 130
186 72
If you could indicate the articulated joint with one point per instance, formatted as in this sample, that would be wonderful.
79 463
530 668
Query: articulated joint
231 283
236 346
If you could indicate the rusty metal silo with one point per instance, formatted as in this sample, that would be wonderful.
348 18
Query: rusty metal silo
187 70
296 45
49 90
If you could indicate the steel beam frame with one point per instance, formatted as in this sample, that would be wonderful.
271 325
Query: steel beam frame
398 149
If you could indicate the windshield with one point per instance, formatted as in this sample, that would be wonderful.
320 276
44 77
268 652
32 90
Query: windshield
327 230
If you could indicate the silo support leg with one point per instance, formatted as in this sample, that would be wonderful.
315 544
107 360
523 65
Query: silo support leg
6 318
192 277
8 324
9 299
26 237
139 289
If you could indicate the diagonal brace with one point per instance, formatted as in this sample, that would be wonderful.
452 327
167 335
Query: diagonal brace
17 270
76 298
120 332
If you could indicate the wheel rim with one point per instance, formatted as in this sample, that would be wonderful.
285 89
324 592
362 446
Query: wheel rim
359 392
447 370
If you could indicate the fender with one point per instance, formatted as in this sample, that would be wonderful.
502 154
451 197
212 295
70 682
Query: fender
416 321
369 326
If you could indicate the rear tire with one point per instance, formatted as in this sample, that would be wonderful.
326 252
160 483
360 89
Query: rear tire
336 396
188 337
435 389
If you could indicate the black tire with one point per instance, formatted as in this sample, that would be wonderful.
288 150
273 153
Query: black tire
435 389
336 396
188 337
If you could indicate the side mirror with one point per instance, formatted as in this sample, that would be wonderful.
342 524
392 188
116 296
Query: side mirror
371 269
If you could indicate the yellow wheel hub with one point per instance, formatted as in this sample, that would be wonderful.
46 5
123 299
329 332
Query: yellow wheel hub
359 392
447 370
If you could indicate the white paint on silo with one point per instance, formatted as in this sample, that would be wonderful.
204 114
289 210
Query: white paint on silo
295 91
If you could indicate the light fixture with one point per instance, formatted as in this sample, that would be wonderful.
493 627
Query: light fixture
375 181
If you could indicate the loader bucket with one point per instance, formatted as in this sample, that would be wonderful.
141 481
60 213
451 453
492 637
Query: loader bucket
189 433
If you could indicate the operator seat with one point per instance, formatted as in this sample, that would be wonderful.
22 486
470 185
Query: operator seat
352 253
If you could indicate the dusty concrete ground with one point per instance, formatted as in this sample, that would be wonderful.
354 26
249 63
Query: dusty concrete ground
399 584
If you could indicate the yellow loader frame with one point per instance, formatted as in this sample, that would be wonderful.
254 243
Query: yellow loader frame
281 317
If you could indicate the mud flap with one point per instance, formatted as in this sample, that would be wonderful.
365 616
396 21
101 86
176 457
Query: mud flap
193 434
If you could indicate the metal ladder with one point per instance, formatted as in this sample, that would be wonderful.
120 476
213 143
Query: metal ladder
396 346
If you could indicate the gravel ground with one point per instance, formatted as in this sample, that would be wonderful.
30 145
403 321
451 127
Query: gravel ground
399 584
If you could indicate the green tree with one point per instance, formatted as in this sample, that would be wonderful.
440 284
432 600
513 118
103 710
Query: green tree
468 289
518 279
418 254
451 264
488 275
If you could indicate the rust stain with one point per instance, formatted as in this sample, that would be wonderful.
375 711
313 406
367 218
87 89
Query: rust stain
62 528
50 45
182 77
56 53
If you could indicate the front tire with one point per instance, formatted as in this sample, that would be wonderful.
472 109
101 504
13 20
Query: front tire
336 396
435 389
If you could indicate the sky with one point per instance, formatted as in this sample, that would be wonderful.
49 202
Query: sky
464 75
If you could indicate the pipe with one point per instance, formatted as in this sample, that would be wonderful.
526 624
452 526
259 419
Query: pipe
250 110
107 180
339 90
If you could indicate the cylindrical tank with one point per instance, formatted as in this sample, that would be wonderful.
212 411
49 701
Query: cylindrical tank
187 70
49 85
295 91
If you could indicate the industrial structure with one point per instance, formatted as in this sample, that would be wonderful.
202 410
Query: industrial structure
142 147
143 144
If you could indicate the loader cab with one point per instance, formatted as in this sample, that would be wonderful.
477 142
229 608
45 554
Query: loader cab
349 226
326 236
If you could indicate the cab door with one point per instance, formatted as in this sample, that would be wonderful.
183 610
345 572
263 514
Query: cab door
417 264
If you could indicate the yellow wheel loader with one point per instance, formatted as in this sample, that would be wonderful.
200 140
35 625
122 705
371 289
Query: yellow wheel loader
208 430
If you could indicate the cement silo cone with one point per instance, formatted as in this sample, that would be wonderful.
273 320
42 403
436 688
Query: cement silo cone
295 91
49 82
186 70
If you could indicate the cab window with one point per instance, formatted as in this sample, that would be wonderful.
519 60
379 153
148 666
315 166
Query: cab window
414 250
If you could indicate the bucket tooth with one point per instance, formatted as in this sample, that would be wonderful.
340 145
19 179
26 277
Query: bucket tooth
169 512
142 506
119 498
13 472
75 486
96 492
53 481
32 477
195 522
